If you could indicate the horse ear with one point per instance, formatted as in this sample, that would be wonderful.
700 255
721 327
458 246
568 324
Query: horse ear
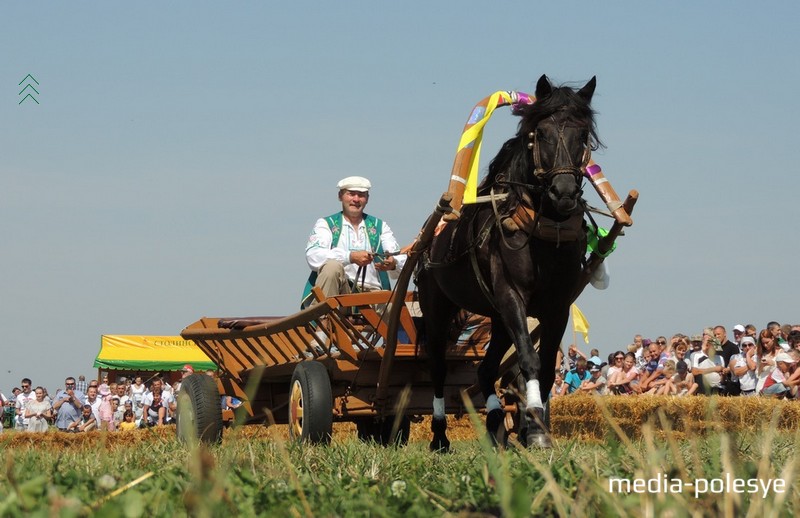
543 87
588 89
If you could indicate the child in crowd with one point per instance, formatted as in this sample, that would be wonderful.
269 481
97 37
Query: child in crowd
774 384
559 387
85 423
665 386
118 410
683 381
127 421
106 412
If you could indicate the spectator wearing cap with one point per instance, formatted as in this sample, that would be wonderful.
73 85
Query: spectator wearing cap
350 242
594 357
743 366
738 334
596 384
774 384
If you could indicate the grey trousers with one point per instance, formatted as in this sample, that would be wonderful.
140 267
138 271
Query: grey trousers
332 280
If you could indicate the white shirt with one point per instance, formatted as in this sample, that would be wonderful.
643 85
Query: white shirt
318 249
748 380
21 400
95 407
713 378
166 399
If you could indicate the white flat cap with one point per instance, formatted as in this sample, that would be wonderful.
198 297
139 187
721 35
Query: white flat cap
354 183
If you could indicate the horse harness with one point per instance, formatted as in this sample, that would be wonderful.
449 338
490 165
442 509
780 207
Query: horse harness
523 217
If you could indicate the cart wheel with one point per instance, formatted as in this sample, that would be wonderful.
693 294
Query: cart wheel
199 413
310 404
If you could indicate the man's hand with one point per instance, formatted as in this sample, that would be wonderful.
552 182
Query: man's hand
387 264
360 257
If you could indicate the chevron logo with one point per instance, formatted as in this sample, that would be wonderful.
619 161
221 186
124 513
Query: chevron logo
29 81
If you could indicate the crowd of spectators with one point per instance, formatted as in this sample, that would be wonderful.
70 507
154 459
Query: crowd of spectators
82 406
752 363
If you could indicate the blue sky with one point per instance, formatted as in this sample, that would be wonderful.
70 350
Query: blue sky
181 152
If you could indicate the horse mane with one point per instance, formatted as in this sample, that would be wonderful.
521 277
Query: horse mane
514 160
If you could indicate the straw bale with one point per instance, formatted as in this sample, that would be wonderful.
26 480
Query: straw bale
579 417
578 414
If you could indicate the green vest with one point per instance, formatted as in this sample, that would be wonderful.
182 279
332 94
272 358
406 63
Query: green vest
374 230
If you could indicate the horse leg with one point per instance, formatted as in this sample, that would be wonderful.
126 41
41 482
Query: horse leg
529 366
547 377
487 377
538 433
438 313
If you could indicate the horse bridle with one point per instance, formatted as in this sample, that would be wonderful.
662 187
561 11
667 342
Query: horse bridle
543 174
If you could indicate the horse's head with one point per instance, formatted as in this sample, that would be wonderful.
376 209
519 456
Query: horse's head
559 130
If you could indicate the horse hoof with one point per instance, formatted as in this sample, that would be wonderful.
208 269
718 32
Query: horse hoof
440 442
539 440
495 427
440 445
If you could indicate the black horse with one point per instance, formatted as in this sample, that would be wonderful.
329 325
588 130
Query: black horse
520 255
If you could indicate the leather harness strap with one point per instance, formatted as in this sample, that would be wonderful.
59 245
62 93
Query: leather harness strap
545 228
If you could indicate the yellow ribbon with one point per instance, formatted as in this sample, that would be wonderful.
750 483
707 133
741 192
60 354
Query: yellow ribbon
474 136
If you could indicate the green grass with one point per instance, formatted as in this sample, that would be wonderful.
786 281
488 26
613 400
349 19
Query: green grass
257 474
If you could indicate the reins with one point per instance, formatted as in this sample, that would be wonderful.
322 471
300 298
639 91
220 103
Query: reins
362 270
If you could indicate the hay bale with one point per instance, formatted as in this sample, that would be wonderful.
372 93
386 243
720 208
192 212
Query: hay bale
585 416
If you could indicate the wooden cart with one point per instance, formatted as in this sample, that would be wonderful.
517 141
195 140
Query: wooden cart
346 358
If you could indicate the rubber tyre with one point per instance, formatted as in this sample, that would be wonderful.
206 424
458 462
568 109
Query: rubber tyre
310 404
199 412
